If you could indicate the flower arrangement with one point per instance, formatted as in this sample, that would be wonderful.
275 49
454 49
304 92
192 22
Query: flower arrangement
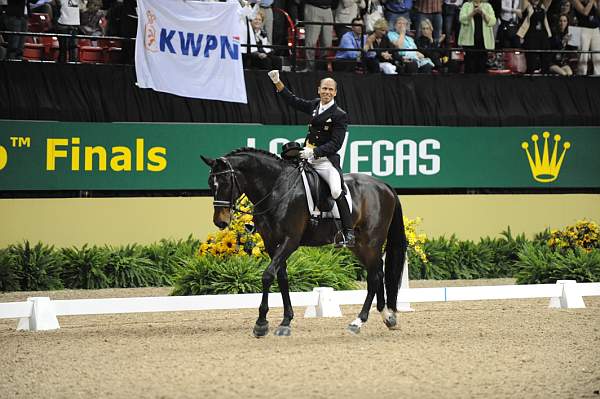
583 234
416 241
239 238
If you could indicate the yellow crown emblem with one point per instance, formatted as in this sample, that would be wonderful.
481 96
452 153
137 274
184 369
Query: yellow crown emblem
544 168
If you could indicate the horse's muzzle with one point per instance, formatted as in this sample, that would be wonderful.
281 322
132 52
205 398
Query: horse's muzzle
222 217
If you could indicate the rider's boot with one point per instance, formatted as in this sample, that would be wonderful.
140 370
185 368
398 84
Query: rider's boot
348 239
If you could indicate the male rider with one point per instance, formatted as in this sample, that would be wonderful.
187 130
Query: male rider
326 132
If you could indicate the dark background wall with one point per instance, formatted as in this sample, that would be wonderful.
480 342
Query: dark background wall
107 93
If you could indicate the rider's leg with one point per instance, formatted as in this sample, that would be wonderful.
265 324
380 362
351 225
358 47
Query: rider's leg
332 176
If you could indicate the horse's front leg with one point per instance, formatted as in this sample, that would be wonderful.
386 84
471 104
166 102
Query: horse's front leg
278 258
284 329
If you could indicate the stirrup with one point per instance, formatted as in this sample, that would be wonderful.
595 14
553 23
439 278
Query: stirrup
348 240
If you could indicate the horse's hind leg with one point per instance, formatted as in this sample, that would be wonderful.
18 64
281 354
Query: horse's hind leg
370 257
284 329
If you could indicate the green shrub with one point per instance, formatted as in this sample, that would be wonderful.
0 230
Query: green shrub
9 275
539 264
84 267
220 275
38 266
311 267
171 256
126 267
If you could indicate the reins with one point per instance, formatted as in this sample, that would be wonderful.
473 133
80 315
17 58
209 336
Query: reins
231 203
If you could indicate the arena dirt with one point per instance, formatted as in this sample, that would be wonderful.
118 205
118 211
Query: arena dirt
480 349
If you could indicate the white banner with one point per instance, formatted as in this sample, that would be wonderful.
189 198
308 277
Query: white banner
191 48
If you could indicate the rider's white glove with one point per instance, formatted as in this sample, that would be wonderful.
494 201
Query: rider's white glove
307 153
274 75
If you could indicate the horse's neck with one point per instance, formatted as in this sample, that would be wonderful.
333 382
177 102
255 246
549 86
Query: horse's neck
260 175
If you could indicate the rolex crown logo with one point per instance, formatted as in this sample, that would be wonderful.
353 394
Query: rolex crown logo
545 168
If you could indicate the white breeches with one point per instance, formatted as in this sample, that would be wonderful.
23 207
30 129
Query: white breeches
329 173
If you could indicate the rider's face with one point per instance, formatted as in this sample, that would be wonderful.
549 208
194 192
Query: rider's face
327 90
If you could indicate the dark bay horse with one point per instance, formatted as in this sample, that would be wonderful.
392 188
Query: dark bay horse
282 218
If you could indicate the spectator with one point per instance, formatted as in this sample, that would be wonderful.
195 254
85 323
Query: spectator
379 42
345 12
350 60
68 23
560 41
372 12
122 21
408 61
395 9
535 34
451 24
16 21
430 47
266 6
588 20
261 57
317 11
477 21
90 17
509 24
431 10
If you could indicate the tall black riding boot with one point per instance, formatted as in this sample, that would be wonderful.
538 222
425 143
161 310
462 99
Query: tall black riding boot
348 239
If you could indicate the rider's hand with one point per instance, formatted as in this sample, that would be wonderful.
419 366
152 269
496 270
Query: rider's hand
274 75
307 153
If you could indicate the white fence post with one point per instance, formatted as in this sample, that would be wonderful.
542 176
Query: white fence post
570 298
327 305
404 306
43 316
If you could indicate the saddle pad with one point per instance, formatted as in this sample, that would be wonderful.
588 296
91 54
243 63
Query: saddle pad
313 208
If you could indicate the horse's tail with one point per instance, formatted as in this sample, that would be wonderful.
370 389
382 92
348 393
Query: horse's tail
395 254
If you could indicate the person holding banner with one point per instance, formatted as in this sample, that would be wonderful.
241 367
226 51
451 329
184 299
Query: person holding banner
326 134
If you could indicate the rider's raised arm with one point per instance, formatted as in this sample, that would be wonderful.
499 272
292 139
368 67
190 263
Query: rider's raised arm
306 106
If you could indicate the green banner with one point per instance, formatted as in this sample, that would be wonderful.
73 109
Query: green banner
157 156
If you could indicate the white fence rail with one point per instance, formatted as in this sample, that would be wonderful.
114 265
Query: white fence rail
40 313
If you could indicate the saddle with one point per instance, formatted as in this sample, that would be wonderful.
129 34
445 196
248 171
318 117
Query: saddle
319 189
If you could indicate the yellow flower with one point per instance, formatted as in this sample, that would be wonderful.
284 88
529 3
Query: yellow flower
256 252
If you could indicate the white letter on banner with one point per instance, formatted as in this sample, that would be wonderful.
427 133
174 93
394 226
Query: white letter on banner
355 158
388 160
435 159
411 157
275 144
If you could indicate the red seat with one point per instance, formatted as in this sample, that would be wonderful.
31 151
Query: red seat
39 22
51 48
515 61
33 51
91 54
113 55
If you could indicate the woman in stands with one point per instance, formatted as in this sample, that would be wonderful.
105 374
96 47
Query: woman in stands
410 61
560 41
261 57
431 47
477 20
535 33
588 19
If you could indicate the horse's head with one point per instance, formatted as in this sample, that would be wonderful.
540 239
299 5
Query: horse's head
225 188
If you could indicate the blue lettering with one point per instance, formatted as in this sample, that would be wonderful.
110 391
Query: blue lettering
211 44
233 52
189 41
165 40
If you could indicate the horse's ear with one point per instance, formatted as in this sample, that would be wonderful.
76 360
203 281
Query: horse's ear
208 161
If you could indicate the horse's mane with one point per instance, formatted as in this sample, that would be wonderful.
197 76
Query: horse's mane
255 150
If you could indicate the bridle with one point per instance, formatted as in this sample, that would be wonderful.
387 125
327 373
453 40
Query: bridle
231 204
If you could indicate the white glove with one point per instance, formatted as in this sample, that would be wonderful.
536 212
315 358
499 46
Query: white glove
307 153
274 75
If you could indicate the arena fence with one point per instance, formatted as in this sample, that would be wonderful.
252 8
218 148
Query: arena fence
40 313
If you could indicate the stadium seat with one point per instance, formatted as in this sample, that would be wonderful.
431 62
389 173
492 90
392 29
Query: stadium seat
91 54
50 47
515 61
33 51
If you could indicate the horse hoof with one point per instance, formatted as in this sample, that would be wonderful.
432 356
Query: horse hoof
391 322
260 331
283 331
353 328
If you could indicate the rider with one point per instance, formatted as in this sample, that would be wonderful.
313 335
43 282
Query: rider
326 132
